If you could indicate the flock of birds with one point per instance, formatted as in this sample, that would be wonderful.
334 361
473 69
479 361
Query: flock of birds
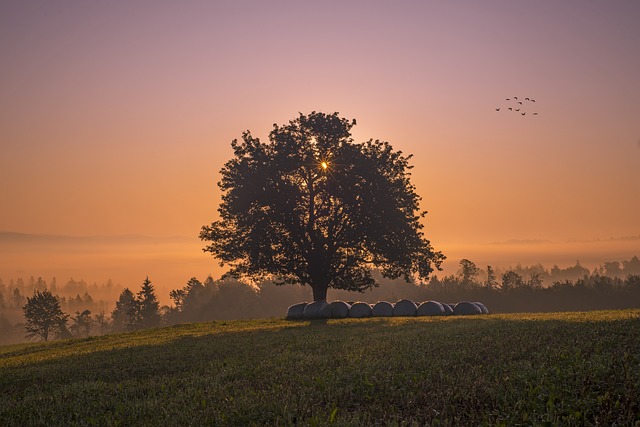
518 106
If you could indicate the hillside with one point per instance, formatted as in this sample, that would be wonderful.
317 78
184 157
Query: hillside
562 368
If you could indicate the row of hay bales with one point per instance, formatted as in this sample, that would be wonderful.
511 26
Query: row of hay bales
341 309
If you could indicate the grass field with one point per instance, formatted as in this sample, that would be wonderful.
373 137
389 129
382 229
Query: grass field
554 369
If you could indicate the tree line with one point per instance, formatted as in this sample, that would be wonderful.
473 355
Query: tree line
517 289
73 294
612 285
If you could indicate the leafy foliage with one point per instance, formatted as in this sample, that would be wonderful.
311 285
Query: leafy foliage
468 272
148 305
43 316
126 314
313 207
137 311
189 295
82 324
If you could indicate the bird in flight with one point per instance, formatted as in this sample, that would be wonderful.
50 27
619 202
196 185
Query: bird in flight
497 109
523 113
515 97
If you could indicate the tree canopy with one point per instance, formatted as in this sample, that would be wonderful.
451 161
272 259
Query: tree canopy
44 316
137 311
148 305
313 207
126 315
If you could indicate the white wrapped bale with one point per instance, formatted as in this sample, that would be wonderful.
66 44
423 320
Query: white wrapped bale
404 307
296 311
430 308
465 308
448 309
339 309
359 310
382 309
316 310
482 307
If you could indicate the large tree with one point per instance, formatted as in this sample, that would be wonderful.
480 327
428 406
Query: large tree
312 207
44 316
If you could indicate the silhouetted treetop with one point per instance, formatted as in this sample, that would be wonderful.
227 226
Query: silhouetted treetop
44 316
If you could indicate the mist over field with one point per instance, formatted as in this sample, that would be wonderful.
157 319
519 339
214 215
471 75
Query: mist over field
170 262
126 260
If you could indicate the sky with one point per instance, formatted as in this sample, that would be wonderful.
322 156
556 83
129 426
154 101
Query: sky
116 117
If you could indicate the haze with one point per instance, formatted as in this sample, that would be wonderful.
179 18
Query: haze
115 118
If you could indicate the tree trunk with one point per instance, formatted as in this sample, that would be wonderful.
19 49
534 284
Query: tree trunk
319 292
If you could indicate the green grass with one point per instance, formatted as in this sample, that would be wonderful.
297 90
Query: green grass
555 369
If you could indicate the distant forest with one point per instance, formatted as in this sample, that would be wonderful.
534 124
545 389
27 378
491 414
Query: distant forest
612 285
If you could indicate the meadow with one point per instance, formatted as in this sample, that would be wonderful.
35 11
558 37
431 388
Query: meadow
505 369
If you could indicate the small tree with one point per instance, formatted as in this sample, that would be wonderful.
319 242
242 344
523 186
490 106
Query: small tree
512 280
126 315
612 269
102 323
188 294
43 316
178 296
492 280
536 281
148 305
631 267
312 207
192 300
82 324
468 273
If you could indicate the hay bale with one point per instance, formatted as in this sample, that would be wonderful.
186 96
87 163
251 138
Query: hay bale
482 307
465 308
404 307
430 308
448 309
359 310
339 309
382 309
316 310
296 311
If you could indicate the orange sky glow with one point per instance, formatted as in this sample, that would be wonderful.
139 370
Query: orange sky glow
115 118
